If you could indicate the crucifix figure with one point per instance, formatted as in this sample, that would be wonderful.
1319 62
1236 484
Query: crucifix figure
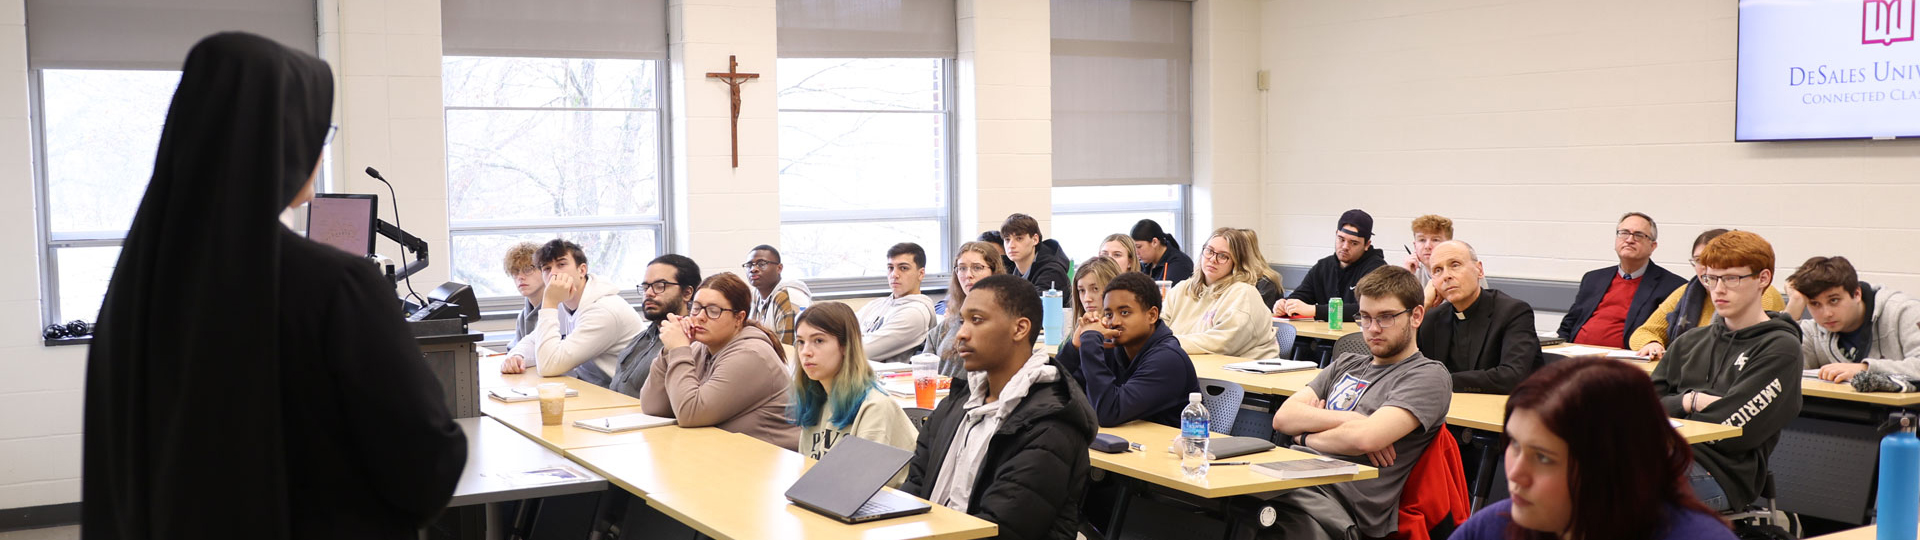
733 77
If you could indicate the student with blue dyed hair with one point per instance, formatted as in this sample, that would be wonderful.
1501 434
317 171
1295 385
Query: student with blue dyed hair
835 393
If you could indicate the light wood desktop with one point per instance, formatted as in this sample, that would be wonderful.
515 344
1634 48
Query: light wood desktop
1155 465
1318 329
1212 366
592 396
735 490
1864 533
491 377
566 436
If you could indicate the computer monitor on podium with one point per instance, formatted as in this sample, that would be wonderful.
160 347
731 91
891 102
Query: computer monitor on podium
343 220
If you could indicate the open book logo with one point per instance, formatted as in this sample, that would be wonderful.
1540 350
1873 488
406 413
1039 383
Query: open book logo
1886 21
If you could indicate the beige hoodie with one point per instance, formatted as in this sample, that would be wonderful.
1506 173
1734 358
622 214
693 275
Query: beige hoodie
741 388
603 327
1228 320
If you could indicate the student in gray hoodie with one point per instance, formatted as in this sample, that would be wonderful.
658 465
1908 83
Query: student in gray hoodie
892 329
777 301
1856 327
1741 371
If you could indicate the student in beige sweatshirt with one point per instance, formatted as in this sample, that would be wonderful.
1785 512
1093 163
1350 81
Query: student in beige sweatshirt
835 393
721 368
1218 311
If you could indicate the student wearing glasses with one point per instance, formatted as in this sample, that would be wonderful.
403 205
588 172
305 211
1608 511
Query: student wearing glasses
777 301
669 284
976 261
1335 276
721 368
1743 370
527 281
1614 301
1687 308
1219 311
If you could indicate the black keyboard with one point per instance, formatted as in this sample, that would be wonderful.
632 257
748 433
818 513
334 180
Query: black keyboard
872 508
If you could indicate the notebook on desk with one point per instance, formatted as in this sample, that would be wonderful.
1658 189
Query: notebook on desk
516 395
1270 366
845 484
624 422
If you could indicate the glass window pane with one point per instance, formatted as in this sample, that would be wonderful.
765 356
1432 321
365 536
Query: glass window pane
1169 194
862 84
102 129
548 82
862 161
1080 234
855 249
619 256
84 273
504 164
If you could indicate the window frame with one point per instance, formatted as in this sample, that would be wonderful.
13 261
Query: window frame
943 214
1182 210
661 224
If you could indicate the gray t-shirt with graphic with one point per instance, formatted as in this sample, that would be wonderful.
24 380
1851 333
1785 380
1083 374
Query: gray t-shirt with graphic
1418 384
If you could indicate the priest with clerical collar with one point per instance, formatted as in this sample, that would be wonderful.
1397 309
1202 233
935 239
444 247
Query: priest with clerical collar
1484 337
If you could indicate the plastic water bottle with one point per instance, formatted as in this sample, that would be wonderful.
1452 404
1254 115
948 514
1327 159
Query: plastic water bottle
1052 321
1194 430
1898 503
1334 314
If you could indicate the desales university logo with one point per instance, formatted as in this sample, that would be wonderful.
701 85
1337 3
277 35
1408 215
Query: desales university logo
1886 22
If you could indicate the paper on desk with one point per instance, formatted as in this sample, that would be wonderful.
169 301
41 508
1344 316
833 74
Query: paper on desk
889 367
1270 366
540 476
1571 351
1675 423
1811 373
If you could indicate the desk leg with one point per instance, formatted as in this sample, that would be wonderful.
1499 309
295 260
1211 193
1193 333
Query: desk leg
1120 503
523 519
1483 478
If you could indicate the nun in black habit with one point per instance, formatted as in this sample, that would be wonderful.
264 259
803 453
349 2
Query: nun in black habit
245 382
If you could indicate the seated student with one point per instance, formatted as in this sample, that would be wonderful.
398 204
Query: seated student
1038 260
1483 336
1009 442
1131 366
584 323
1429 231
1218 311
1671 319
835 393
1335 276
1743 370
1857 327
1119 248
893 328
526 281
776 301
1160 255
1589 455
1089 284
1614 301
1381 409
722 368
976 261
1256 264
670 280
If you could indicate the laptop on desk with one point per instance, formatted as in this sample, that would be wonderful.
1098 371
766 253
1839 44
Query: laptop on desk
845 484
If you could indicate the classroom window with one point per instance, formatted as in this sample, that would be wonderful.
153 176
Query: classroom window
1084 216
865 162
98 131
539 148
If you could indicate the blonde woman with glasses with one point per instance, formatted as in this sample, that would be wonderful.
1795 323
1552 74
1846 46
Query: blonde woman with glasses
975 261
1218 310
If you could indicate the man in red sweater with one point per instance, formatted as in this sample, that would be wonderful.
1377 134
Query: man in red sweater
1615 300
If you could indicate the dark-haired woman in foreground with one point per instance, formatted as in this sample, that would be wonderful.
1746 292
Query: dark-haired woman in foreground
1590 456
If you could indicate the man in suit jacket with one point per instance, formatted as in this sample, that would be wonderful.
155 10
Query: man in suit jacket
1484 337
1616 300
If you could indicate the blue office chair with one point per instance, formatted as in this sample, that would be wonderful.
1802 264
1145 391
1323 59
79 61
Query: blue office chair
1284 335
1222 400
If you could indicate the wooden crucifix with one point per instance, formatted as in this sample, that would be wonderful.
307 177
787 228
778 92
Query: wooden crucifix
733 77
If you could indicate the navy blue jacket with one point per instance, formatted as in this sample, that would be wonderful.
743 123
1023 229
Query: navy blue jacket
1659 283
1153 387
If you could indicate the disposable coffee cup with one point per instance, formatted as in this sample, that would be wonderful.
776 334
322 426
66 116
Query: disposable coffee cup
553 403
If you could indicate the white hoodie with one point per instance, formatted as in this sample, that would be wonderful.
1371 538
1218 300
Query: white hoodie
891 329
603 327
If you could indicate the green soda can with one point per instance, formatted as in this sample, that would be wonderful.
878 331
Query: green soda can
1334 314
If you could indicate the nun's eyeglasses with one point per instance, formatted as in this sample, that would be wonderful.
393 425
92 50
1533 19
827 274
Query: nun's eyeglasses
331 131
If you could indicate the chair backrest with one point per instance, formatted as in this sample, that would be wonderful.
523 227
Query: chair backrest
1222 400
1547 358
1283 335
918 416
1435 491
1351 343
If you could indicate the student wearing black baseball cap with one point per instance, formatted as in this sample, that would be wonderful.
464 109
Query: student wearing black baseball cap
1334 277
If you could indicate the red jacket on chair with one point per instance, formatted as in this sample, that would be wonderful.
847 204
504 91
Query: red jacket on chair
1435 490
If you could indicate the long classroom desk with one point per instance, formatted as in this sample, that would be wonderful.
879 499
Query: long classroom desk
1318 329
1153 464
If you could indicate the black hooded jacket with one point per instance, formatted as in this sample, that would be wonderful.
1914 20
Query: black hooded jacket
307 411
1328 280
1049 270
1031 482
